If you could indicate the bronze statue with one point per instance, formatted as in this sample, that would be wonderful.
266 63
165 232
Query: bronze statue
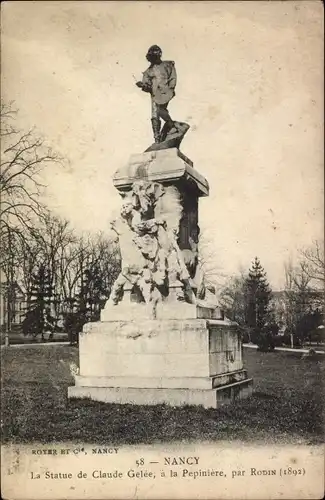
159 80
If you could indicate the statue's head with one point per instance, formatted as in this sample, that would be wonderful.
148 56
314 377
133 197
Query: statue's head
126 209
154 54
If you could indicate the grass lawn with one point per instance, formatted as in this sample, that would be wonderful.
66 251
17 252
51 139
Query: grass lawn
286 407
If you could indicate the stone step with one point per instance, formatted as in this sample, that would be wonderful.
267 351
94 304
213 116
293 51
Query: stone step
209 398
163 382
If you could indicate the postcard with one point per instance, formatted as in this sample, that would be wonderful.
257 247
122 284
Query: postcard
162 250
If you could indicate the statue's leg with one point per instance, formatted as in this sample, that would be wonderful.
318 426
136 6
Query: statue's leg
155 121
117 289
161 266
164 114
146 289
156 129
189 293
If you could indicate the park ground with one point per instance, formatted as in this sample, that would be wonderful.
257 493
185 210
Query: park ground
286 406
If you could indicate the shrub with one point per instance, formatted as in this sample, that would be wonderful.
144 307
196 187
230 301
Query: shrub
266 337
286 340
32 323
73 323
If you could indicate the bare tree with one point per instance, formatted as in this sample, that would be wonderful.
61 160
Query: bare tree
28 256
54 237
23 155
32 237
296 296
297 278
313 258
208 261
8 278
22 158
232 298
301 296
72 267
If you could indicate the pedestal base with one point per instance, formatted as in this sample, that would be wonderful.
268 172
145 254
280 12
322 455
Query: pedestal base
208 398
177 362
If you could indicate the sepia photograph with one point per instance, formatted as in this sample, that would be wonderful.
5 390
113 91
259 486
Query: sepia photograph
162 250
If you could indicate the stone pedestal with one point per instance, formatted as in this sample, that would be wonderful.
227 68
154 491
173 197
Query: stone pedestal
177 362
170 168
164 344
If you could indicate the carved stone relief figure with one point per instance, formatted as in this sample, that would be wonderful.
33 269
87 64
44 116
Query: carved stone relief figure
151 258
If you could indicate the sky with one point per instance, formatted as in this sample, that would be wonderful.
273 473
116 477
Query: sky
250 84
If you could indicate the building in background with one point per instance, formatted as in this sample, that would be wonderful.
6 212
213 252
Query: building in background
281 305
12 304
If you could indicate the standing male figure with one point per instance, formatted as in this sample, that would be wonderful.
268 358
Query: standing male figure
159 80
